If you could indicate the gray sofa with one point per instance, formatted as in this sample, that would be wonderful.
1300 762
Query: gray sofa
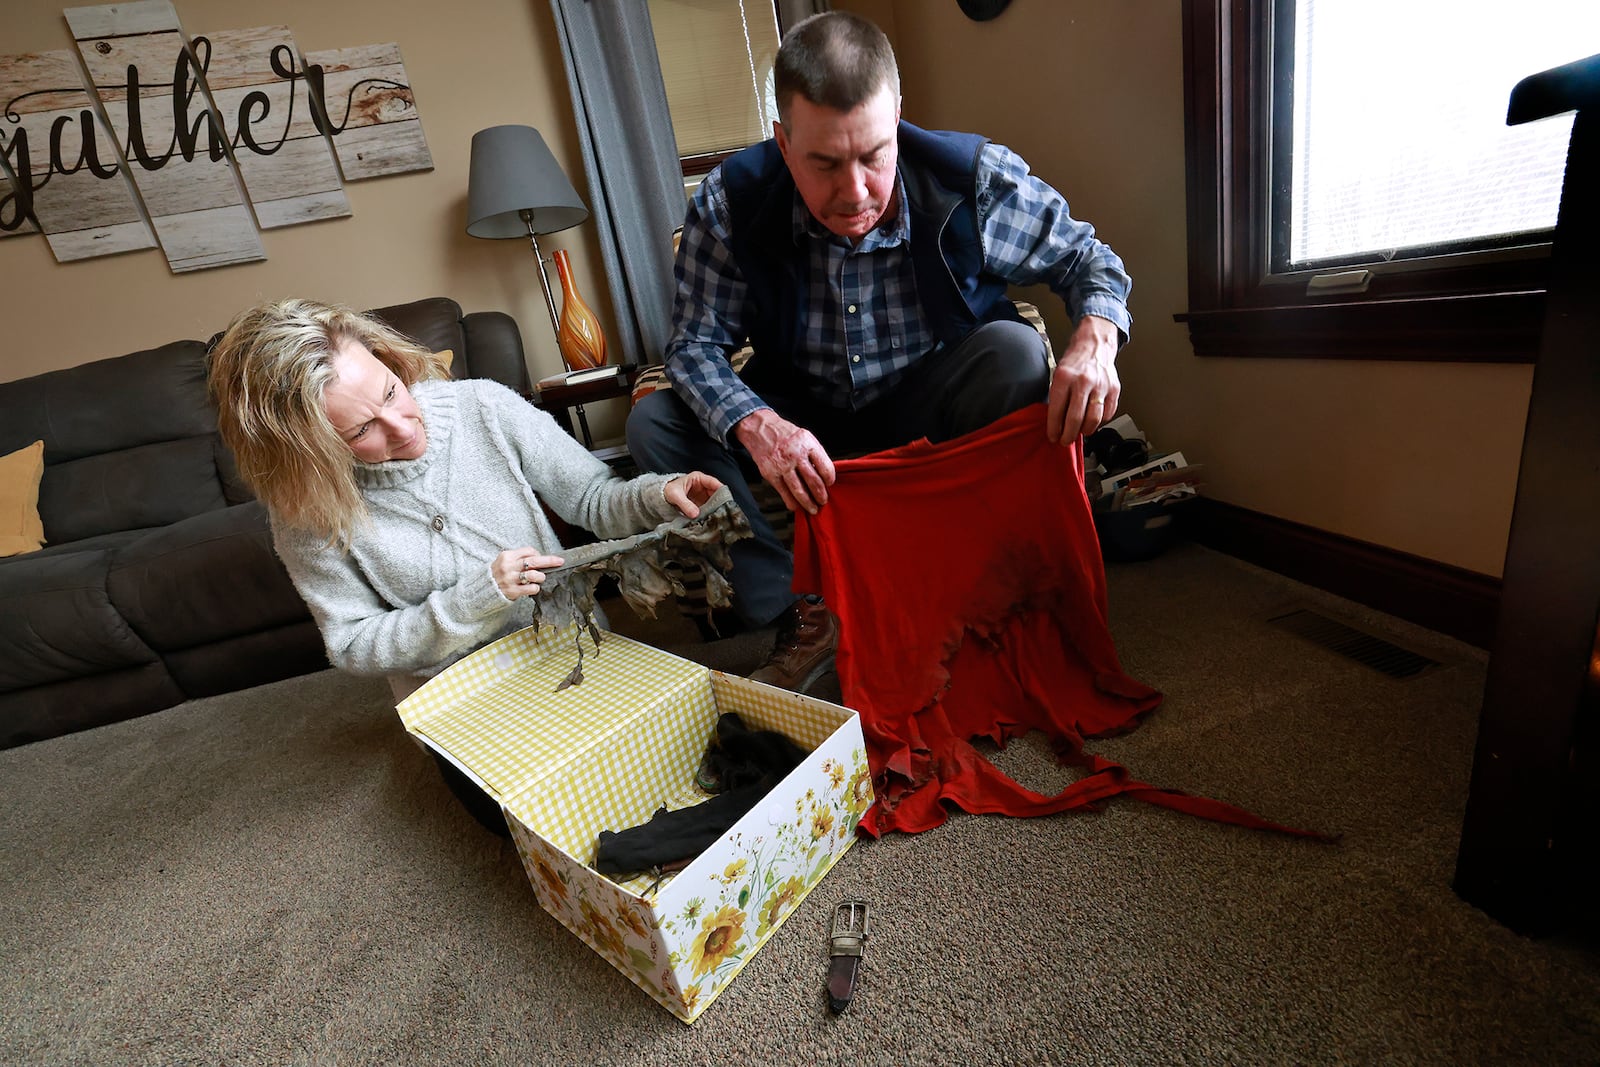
158 582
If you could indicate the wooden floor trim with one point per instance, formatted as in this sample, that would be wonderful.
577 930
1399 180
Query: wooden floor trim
1448 599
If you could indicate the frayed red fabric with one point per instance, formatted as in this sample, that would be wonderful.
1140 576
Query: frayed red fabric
971 597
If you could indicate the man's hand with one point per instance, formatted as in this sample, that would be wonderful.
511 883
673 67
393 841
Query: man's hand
1084 388
690 492
790 459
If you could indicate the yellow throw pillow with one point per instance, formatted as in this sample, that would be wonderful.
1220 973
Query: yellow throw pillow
20 528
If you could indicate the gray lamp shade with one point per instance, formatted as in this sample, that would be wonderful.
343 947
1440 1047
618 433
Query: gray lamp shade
513 171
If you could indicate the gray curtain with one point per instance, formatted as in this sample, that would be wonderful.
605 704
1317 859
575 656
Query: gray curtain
631 158
792 11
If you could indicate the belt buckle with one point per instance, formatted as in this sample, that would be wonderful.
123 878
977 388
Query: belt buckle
849 928
849 937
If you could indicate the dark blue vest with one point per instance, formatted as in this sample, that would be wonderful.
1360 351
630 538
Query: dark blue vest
940 171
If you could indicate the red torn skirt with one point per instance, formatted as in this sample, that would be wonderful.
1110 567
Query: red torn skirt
971 598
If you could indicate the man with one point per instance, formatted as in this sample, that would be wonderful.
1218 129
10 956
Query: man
866 260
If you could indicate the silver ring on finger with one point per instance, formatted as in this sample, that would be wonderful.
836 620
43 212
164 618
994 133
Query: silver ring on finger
522 579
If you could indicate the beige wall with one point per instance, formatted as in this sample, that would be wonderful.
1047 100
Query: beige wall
1418 457
471 65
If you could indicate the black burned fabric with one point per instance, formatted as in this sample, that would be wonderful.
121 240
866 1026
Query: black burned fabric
741 766
672 839
648 568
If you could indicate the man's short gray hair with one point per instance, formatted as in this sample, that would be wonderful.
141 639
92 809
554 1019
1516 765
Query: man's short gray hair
835 60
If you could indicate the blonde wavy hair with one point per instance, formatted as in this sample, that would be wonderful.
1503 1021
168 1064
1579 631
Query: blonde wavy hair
267 374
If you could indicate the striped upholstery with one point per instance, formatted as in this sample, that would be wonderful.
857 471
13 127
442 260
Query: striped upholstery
693 602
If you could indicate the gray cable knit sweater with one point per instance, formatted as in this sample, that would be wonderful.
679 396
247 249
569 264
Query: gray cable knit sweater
414 593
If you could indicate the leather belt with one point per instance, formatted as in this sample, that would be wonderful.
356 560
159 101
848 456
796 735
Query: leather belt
849 936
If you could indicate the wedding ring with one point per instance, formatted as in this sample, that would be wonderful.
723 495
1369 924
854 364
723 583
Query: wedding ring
524 566
1098 400
522 579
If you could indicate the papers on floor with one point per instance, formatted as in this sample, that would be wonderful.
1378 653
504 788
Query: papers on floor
1152 478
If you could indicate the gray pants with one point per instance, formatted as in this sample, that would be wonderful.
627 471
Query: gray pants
995 370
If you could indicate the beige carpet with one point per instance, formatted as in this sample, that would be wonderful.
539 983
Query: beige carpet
279 876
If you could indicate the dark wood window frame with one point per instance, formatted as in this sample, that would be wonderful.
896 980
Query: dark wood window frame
1458 308
705 162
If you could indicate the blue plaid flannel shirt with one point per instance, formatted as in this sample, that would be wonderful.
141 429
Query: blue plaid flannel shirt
864 325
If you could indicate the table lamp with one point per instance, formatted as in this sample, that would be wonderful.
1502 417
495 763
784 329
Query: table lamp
517 189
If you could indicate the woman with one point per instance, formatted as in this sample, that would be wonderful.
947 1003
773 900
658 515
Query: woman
405 505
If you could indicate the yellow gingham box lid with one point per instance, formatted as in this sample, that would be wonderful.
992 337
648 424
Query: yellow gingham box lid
498 712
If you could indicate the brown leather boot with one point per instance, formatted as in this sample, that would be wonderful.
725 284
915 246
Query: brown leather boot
808 636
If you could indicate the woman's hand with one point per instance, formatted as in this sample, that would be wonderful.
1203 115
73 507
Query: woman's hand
519 572
689 492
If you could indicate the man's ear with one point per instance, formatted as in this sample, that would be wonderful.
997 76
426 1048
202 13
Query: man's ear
782 137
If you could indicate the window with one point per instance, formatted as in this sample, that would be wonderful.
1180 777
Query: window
1354 191
716 61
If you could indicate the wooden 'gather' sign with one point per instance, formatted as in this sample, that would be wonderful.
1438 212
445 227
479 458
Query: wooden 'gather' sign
221 133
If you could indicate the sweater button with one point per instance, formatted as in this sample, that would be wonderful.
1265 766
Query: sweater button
438 524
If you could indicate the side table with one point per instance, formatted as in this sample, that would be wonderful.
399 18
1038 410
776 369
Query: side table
565 402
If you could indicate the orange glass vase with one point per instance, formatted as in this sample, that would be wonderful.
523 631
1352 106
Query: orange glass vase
582 342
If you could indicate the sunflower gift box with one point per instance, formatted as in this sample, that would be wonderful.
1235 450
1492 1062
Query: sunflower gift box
567 761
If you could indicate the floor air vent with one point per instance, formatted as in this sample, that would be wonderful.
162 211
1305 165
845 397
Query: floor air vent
1351 643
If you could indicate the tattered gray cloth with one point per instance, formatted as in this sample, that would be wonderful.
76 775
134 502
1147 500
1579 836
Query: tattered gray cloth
647 568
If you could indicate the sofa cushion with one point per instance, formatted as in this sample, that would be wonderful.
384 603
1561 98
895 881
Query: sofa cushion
206 579
434 322
129 442
87 544
249 660
45 711
20 529
494 350
137 399
131 489
56 621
